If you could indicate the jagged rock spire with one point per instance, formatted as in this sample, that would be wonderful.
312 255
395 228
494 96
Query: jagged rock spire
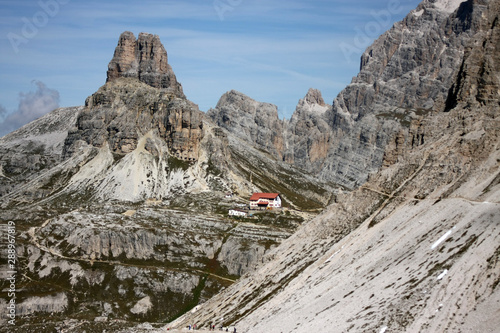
313 96
145 59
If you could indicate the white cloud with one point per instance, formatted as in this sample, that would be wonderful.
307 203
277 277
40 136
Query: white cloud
32 105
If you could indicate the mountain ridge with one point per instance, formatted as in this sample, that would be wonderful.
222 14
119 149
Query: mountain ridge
392 196
381 257
122 205
406 73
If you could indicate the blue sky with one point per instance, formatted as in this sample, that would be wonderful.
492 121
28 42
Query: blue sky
272 50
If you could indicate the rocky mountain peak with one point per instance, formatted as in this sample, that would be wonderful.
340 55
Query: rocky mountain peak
312 102
140 111
313 96
253 121
120 205
143 58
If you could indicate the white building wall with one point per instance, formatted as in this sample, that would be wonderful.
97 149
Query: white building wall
233 212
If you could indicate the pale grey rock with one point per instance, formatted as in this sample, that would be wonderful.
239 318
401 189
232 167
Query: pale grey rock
440 174
123 110
307 134
246 246
49 304
162 254
414 249
410 68
99 217
406 73
142 306
254 122
35 147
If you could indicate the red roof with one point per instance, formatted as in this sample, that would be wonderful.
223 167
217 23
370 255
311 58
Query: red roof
257 196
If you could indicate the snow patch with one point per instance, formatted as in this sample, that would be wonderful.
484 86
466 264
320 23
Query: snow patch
442 275
442 239
383 329
333 255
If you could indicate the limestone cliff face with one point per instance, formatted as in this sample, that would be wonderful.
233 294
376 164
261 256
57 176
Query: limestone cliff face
301 141
141 97
145 59
307 133
413 64
478 81
136 129
407 73
253 121
125 109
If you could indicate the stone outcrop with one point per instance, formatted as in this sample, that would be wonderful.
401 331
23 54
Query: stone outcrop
122 257
125 109
307 133
141 96
478 79
252 121
312 97
377 259
121 207
144 59
170 237
301 141
34 148
405 74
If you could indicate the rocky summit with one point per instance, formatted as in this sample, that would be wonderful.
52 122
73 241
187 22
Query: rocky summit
144 59
405 74
391 196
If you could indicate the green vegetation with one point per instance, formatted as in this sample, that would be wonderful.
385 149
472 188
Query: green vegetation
403 116
176 163
277 219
